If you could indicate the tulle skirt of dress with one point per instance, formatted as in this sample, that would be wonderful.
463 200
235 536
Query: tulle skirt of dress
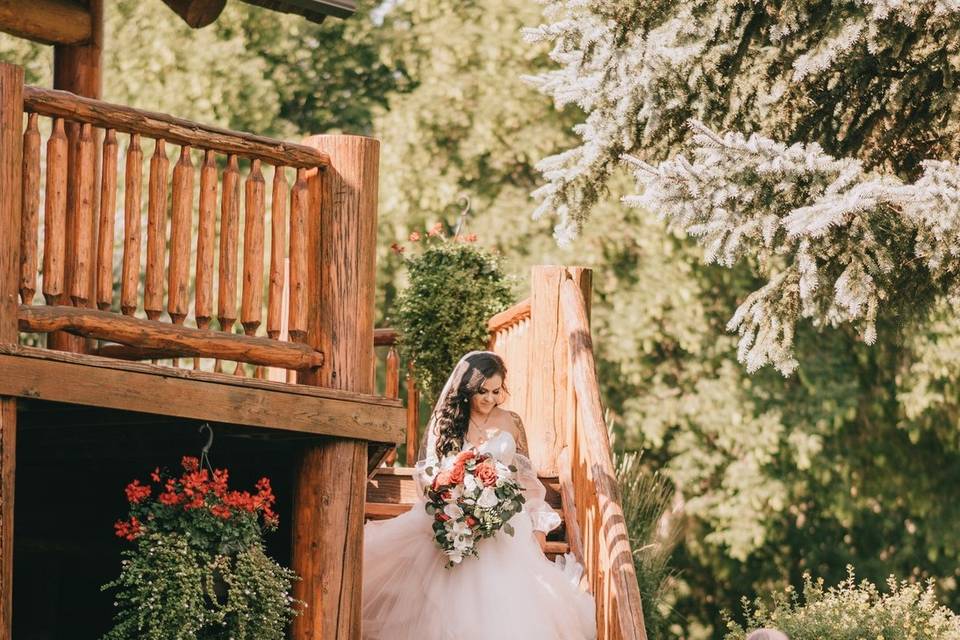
510 592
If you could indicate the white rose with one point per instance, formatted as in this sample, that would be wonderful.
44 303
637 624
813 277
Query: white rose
488 498
469 482
454 511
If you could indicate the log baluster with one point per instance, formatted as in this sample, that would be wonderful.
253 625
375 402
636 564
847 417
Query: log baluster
156 231
55 216
278 245
108 204
132 189
29 218
392 390
413 416
299 202
229 235
83 253
252 296
178 267
205 237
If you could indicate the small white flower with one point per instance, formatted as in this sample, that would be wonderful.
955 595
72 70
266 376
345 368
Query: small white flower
488 498
453 511
469 482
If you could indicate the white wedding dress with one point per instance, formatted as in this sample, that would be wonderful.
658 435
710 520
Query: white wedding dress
510 592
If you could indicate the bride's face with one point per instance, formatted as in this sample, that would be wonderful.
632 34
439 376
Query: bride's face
488 396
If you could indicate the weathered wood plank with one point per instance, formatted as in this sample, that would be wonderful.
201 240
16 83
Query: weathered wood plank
159 335
189 374
174 130
81 379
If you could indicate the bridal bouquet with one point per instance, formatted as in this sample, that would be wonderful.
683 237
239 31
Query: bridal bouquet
472 500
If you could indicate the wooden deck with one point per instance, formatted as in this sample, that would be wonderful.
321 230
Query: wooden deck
89 380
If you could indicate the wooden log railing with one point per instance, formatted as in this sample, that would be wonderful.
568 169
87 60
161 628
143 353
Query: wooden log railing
589 485
388 338
545 342
81 185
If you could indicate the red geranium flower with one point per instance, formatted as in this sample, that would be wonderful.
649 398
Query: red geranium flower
137 492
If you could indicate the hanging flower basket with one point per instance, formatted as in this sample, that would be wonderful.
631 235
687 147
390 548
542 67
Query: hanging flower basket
198 569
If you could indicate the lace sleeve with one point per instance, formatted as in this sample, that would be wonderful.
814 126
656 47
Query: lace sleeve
542 515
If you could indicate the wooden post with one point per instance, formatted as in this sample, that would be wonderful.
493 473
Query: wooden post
77 68
546 420
331 481
11 170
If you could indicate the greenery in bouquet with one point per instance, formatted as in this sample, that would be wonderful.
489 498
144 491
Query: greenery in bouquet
472 500
454 287
199 570
852 610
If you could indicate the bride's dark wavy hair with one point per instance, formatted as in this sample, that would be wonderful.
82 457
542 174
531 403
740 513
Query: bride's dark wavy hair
453 418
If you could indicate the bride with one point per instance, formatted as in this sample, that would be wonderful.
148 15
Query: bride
511 591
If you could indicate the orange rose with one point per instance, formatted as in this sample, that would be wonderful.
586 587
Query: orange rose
465 455
443 478
487 474
456 474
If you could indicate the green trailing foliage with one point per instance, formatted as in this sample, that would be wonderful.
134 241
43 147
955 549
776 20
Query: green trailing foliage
454 287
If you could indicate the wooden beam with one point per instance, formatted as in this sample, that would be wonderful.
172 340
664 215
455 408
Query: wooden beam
8 448
11 167
47 21
11 150
329 498
150 334
172 130
92 381
197 13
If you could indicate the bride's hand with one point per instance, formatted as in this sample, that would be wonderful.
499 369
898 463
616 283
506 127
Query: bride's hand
542 539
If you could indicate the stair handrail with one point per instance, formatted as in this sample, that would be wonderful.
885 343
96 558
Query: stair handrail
605 540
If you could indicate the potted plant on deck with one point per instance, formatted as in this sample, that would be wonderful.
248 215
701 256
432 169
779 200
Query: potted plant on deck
198 570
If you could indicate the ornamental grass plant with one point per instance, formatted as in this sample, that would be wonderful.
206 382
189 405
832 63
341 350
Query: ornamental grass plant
853 610
198 569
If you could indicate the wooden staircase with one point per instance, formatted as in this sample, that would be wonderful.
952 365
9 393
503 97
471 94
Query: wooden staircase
551 376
